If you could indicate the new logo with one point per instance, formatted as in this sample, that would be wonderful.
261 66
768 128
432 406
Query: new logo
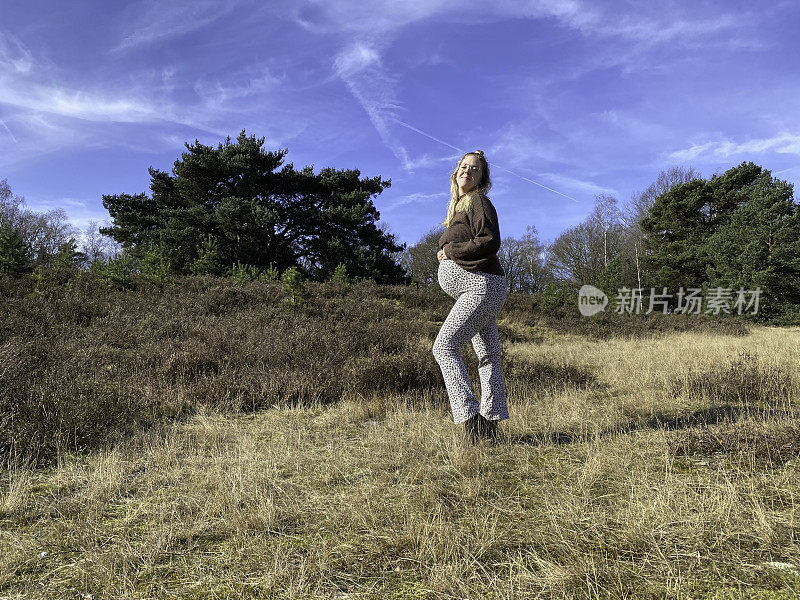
591 300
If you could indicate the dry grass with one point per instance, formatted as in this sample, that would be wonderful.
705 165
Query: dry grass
641 468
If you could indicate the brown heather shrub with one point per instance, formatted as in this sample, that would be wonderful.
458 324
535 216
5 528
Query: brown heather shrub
84 364
542 375
523 308
763 443
745 381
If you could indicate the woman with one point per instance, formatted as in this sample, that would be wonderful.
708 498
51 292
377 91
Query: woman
470 272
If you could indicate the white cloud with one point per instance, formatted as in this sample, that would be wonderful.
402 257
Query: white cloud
150 21
603 19
634 127
417 198
380 17
360 69
644 29
355 59
428 161
31 89
14 56
783 143
216 93
8 132
580 185
40 114
519 146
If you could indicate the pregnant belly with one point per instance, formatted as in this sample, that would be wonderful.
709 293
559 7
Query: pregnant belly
449 277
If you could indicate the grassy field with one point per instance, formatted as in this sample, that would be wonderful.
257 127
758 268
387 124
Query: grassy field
639 462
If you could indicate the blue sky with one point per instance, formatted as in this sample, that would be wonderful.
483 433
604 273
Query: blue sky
583 98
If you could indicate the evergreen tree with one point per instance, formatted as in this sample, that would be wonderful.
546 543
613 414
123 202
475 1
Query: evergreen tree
14 256
760 245
259 212
683 219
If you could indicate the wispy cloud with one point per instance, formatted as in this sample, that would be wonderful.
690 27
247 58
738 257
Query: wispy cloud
40 111
784 143
578 185
654 31
14 56
416 198
426 161
381 17
354 59
590 18
150 21
31 89
248 84
80 104
9 133
519 145
789 170
359 67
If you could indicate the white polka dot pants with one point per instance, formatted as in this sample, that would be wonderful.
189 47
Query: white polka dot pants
479 297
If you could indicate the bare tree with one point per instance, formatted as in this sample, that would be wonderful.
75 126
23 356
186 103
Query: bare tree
10 206
96 246
420 260
639 206
43 234
47 233
573 255
511 257
606 219
534 259
581 254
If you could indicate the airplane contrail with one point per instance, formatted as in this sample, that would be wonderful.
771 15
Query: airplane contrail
493 164
3 123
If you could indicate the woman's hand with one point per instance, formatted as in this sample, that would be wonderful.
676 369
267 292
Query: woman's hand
441 255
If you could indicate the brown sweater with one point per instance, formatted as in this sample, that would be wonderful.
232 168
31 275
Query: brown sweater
473 238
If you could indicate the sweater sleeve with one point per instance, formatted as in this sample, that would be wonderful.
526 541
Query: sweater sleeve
486 234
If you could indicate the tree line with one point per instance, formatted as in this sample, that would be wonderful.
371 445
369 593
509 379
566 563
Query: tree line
31 239
238 209
234 208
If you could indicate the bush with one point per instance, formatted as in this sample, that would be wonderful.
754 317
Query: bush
84 365
242 273
209 260
156 268
340 275
14 256
745 381
293 288
119 271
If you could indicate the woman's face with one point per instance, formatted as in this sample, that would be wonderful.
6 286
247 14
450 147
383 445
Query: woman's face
469 173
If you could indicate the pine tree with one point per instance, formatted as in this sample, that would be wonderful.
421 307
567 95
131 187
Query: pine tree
760 245
260 212
683 219
14 255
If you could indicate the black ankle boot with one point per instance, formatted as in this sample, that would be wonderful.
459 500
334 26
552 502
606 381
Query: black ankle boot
472 429
487 429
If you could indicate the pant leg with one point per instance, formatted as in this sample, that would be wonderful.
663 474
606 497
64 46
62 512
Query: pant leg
493 387
469 315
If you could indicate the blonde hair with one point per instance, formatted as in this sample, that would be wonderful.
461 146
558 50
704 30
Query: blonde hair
463 202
